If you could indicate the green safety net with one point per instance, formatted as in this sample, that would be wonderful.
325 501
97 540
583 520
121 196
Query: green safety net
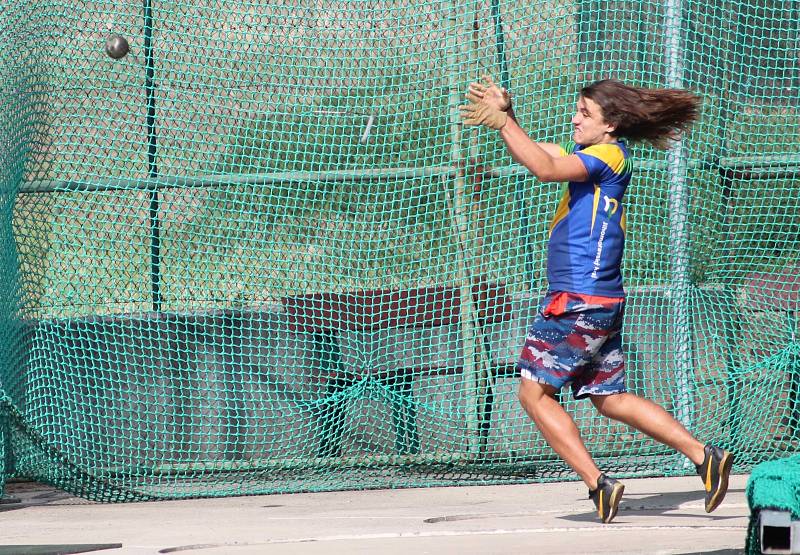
259 253
772 486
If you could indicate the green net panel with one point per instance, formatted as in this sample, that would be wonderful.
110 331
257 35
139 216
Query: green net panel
260 254
773 486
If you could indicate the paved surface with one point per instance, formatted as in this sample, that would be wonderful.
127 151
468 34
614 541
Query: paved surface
661 515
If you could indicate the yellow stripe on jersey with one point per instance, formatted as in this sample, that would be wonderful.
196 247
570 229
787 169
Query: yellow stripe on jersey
562 210
595 204
609 154
563 205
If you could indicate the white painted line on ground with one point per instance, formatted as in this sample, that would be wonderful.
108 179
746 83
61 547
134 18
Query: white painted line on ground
448 533
501 531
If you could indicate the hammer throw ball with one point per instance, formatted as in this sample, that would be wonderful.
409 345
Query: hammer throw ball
117 46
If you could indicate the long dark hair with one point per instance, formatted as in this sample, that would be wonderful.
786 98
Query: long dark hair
656 116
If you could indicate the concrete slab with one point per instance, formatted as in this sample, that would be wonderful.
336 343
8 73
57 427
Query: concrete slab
657 516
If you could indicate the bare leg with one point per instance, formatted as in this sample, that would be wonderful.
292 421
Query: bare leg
649 418
558 428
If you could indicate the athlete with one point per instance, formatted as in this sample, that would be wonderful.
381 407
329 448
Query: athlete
576 337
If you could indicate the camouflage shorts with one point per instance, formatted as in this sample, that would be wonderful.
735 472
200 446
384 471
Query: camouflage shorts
577 340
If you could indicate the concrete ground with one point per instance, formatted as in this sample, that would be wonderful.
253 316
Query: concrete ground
657 515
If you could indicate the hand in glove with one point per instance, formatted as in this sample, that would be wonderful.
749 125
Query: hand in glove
480 113
489 93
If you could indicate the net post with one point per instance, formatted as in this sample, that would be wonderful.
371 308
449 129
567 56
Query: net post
6 452
4 439
152 140
474 363
680 295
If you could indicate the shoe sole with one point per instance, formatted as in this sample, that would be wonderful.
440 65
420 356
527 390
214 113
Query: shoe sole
724 472
613 503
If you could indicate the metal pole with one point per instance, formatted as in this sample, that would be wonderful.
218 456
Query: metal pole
741 167
680 295
155 222
500 44
468 315
505 81
794 373
5 439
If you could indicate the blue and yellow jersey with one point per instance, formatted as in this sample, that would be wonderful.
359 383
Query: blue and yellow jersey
587 234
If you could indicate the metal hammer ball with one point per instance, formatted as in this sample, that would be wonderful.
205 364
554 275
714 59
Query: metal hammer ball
117 46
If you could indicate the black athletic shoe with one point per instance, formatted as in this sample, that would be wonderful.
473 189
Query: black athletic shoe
714 472
606 497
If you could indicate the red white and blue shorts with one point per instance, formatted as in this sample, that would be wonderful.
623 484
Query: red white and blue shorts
576 339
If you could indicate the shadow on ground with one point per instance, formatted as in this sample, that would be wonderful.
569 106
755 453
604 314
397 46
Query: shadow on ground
662 504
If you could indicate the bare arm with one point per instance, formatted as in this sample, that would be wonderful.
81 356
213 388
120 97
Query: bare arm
552 149
544 160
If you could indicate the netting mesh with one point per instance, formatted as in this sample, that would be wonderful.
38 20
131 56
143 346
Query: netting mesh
772 486
259 253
